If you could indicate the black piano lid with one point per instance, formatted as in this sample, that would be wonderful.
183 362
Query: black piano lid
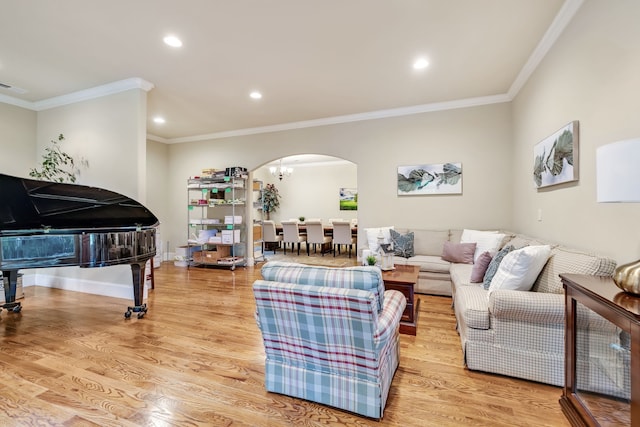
42 206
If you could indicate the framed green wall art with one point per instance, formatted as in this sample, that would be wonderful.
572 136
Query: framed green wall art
348 199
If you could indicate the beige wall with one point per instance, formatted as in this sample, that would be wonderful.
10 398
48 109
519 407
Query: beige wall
590 75
107 132
17 140
157 160
477 137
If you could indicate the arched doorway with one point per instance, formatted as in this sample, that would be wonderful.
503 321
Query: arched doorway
314 187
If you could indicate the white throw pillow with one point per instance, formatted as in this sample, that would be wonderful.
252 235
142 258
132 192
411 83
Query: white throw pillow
372 237
520 268
486 241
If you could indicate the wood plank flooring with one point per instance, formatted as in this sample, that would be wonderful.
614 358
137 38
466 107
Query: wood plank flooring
196 359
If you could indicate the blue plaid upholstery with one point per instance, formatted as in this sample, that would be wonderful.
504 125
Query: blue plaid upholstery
366 278
327 344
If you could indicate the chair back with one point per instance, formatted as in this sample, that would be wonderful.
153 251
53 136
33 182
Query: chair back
269 231
342 233
357 277
290 232
315 232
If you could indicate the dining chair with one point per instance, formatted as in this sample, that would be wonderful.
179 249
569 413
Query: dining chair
342 236
315 236
291 234
269 235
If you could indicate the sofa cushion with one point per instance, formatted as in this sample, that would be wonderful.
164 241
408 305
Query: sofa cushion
494 264
429 242
429 263
565 260
490 241
455 235
519 268
460 275
520 241
472 303
480 267
458 252
360 277
402 243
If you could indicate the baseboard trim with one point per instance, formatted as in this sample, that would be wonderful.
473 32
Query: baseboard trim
107 289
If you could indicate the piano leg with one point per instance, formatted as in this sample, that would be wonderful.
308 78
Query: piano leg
10 303
137 271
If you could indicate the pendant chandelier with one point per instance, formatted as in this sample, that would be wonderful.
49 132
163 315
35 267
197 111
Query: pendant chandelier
281 171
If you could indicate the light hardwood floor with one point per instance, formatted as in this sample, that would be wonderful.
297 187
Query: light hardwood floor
196 359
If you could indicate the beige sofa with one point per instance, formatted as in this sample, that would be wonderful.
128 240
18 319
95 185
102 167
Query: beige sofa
435 273
434 277
514 333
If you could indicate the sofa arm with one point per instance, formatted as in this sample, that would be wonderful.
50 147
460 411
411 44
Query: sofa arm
533 307
389 318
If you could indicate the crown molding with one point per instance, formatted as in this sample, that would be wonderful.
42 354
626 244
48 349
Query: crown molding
94 92
373 115
157 138
81 95
6 99
560 22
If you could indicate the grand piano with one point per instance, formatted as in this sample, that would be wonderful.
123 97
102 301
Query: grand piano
50 224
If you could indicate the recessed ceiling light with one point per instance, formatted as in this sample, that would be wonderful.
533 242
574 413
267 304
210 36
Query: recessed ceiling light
255 94
173 41
420 64
159 120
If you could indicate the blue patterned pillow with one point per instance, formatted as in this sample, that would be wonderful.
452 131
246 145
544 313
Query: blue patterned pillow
402 243
494 264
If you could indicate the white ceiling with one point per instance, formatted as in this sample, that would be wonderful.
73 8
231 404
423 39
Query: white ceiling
314 61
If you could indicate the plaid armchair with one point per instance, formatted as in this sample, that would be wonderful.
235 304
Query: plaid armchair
330 334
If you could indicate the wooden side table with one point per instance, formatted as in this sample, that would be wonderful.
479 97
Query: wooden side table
403 278
602 356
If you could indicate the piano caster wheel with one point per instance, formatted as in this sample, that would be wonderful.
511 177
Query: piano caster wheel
14 307
140 309
143 311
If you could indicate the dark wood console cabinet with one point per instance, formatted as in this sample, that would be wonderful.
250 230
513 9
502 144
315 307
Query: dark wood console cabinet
602 353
